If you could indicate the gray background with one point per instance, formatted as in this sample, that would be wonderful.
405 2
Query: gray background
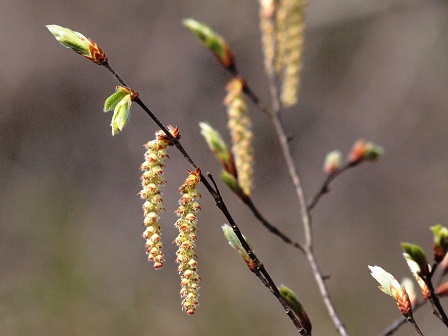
72 257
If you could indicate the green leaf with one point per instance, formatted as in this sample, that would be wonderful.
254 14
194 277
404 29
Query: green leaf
113 100
417 254
122 114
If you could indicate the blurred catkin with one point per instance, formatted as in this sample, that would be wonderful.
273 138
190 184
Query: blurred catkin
240 127
282 26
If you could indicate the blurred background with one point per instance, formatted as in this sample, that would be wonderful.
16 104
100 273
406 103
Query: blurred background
72 257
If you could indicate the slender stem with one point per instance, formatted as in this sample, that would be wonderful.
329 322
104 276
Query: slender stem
260 270
394 326
295 178
274 116
306 219
273 229
116 75
438 309
414 324
324 293
325 188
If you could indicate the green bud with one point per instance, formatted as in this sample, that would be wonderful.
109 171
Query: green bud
218 147
213 41
373 152
232 183
332 162
293 303
440 242
236 244
70 39
78 43
417 254
122 114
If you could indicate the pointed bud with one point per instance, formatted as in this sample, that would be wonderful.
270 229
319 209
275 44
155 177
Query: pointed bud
390 286
333 162
293 303
365 151
213 41
78 43
218 147
416 271
410 289
440 245
417 254
232 183
236 245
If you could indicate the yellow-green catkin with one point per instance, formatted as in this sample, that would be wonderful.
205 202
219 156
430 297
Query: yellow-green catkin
267 11
240 127
186 241
152 179
290 26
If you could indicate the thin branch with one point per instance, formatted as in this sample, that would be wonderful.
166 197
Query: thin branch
273 229
306 220
437 306
325 188
274 116
394 326
260 270
414 324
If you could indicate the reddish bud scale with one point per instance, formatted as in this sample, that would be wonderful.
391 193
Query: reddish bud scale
96 54
402 299
127 90
439 253
358 151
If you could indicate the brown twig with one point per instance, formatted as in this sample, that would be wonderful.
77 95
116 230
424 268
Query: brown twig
274 116
325 188
394 326
414 324
306 220
434 299
260 271
273 229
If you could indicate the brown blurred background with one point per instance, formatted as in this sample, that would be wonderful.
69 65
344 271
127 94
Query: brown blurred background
72 257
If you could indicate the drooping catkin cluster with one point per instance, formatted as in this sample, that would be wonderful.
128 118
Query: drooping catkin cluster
287 18
186 241
152 179
240 126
